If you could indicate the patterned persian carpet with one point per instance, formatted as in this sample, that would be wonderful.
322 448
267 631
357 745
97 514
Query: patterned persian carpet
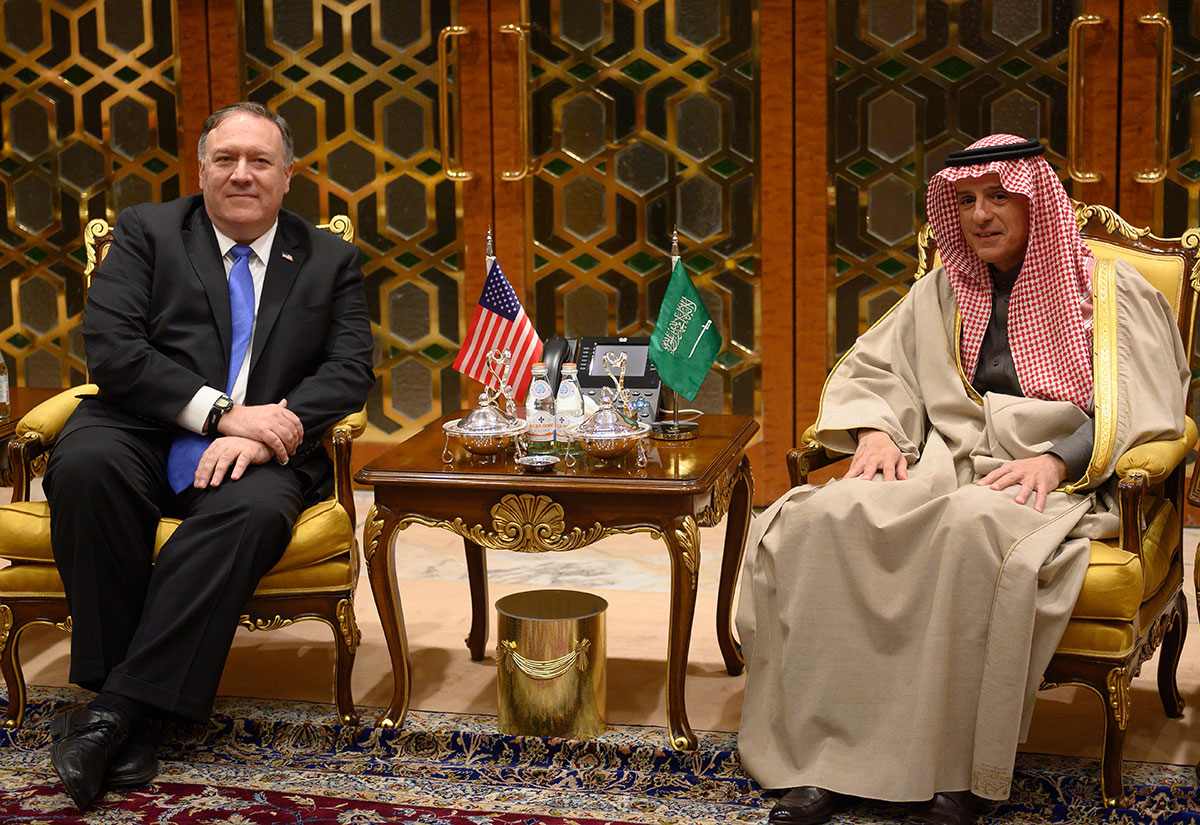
288 762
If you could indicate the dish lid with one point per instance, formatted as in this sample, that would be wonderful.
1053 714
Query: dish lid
485 419
606 422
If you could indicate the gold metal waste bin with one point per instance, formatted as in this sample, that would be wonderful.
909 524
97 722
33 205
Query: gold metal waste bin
551 674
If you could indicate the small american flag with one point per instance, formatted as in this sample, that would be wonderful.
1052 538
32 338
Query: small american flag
499 323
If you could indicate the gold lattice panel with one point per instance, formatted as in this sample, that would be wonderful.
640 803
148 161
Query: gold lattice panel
90 113
644 115
358 83
911 82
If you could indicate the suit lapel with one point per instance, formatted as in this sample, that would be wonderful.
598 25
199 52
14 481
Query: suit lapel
287 256
202 250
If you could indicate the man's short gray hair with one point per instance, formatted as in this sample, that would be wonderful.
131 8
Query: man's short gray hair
256 110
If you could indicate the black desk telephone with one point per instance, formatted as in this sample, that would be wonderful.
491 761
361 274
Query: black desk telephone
641 376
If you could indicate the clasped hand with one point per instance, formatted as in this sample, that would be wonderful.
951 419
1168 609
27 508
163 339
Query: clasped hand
272 425
226 452
249 435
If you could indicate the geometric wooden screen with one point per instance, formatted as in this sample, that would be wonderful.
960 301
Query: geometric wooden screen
912 82
91 120
358 83
644 115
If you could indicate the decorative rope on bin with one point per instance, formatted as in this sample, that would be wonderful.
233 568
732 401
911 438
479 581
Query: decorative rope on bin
506 652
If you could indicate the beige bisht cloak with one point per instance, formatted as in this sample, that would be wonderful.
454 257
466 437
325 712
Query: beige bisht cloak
895 633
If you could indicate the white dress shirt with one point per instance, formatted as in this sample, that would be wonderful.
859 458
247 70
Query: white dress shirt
193 416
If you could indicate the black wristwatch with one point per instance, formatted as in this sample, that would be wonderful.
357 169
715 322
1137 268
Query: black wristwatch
222 405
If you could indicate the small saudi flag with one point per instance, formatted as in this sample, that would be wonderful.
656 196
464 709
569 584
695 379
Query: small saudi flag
684 343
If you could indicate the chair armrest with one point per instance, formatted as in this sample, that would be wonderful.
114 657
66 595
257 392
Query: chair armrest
339 441
809 457
36 432
48 418
1156 459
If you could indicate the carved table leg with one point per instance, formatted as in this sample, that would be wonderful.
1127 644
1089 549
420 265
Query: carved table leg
380 528
683 543
477 575
737 525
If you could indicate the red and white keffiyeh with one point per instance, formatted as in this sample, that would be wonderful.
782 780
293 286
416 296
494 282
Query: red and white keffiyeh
1049 311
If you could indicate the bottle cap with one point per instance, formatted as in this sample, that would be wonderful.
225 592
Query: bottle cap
569 365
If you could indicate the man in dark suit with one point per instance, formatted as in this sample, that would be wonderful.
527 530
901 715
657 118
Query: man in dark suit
225 335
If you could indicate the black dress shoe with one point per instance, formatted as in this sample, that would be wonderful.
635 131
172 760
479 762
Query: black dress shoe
953 808
81 757
134 765
804 805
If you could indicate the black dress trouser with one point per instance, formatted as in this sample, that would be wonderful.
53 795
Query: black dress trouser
158 631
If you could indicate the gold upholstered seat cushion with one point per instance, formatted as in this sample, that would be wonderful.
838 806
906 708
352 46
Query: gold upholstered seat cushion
322 533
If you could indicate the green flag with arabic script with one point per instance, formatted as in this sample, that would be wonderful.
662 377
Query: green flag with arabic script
684 343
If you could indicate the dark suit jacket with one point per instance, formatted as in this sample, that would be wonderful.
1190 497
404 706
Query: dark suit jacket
156 326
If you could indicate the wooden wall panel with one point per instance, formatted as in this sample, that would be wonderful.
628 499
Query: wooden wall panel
1139 79
224 53
509 195
1101 78
195 101
778 228
812 201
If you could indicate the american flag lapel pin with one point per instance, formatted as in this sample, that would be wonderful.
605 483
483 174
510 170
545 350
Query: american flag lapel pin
287 256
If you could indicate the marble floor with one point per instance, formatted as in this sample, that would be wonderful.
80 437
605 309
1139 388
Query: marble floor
632 573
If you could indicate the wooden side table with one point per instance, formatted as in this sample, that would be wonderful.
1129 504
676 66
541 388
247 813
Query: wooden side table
492 504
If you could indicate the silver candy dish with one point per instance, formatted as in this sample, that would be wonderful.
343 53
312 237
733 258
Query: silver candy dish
485 430
607 434
537 463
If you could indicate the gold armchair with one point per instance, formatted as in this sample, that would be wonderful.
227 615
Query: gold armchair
1132 599
314 579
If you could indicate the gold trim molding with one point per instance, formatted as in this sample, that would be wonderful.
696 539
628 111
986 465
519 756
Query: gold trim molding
718 505
273 624
340 225
347 624
528 523
1112 222
1104 370
688 537
371 530
6 623
1118 695
1154 638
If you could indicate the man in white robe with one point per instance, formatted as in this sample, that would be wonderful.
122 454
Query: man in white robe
896 622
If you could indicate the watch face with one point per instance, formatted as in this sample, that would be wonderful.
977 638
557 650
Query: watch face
224 403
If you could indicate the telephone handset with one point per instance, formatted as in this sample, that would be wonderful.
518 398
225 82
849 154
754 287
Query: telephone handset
641 376
555 353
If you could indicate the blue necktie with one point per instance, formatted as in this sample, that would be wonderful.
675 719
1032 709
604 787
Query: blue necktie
187 448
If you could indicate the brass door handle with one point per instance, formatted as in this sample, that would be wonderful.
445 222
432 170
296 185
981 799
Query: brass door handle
521 30
452 171
1159 172
1075 98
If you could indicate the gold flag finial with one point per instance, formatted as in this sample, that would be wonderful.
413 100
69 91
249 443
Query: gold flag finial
675 242
488 251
